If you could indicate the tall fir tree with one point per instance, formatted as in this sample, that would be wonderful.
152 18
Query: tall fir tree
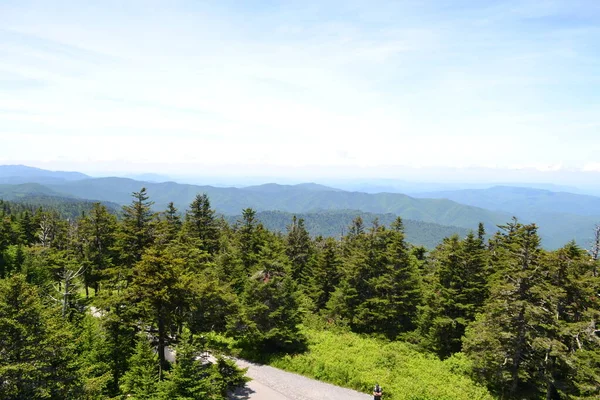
156 290
270 302
201 224
98 230
327 275
457 293
136 232
300 250
140 382
508 341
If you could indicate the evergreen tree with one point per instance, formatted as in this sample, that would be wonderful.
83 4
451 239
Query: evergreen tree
572 362
458 292
509 340
136 232
170 225
200 224
28 228
380 291
390 291
140 382
327 274
271 304
37 347
300 251
119 324
190 378
156 289
94 356
98 231
242 258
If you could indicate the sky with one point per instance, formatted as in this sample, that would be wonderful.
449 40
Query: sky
308 88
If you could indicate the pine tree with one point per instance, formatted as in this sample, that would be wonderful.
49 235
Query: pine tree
136 232
98 231
508 341
388 284
299 249
458 291
28 228
156 290
119 323
241 258
169 226
271 304
190 378
327 274
94 356
37 346
380 288
572 363
200 224
140 382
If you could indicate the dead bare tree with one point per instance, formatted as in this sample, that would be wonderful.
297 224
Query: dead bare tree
67 276
46 232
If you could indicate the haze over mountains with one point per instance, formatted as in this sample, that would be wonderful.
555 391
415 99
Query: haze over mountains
561 216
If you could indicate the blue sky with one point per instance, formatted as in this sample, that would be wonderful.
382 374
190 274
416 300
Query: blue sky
275 88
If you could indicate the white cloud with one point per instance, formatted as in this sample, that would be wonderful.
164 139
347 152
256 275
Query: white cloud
395 85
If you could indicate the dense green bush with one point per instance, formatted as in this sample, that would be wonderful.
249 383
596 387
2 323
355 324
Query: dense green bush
350 360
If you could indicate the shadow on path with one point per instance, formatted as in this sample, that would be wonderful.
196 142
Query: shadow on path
242 393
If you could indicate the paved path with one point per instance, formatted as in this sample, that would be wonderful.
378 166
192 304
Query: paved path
270 383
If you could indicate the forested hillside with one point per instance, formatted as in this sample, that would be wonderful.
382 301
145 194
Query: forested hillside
561 217
83 303
336 223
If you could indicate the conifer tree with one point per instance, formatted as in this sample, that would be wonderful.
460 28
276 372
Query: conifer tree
327 274
140 382
190 378
390 293
458 291
243 254
94 356
98 230
201 224
508 341
37 346
136 232
299 249
169 227
28 228
271 304
572 362
156 289
120 323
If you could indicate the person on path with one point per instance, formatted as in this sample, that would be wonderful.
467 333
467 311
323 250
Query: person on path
377 392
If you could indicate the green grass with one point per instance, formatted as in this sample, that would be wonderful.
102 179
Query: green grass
357 362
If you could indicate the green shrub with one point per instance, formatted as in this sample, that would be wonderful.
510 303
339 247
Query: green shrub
350 360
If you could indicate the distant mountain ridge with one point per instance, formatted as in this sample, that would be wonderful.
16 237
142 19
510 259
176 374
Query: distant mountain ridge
17 174
561 216
527 201
288 198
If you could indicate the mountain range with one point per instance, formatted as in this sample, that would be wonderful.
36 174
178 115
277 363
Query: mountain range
561 216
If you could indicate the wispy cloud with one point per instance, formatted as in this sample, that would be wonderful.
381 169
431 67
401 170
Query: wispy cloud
412 83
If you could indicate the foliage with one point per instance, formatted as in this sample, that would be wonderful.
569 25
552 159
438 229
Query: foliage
350 360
